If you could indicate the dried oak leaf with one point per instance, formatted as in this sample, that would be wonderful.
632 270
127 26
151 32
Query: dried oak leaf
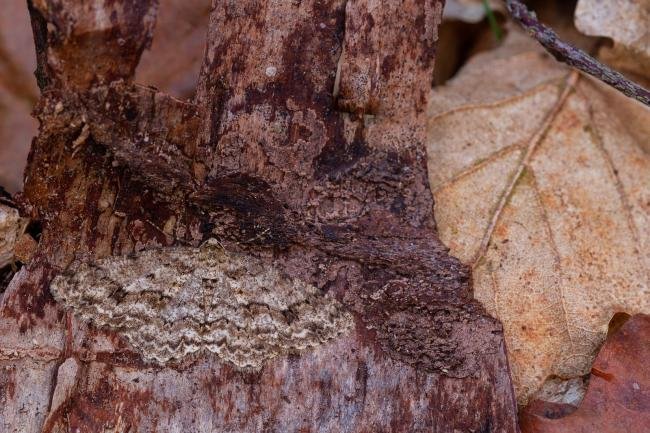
626 22
541 179
12 227
618 398
18 92
172 63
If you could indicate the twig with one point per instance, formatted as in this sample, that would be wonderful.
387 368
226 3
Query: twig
572 56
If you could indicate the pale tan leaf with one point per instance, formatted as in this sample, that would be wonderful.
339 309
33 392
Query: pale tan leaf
18 92
541 179
11 227
627 23
172 63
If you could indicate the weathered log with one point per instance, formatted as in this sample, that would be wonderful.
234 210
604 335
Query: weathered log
302 153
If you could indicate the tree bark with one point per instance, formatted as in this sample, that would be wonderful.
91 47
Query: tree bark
303 152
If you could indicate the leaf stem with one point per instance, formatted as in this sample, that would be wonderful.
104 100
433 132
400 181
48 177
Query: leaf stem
492 20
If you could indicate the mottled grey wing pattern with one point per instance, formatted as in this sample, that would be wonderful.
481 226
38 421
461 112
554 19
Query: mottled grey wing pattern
171 302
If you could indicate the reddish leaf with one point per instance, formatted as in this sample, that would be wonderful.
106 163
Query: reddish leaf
618 398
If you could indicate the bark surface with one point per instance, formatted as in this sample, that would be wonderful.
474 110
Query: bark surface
303 150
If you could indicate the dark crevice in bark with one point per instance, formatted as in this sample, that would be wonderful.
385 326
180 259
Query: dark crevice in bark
6 274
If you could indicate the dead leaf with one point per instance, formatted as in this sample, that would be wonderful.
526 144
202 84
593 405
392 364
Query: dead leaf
18 92
618 397
12 226
172 63
626 22
541 182
561 391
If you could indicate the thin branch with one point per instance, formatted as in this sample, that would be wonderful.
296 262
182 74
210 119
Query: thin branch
572 56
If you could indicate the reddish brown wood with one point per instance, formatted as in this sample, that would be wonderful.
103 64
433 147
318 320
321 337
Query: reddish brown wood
322 176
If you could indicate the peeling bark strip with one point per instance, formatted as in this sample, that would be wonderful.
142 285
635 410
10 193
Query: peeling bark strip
329 191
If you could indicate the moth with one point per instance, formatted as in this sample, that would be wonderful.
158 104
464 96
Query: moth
172 302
